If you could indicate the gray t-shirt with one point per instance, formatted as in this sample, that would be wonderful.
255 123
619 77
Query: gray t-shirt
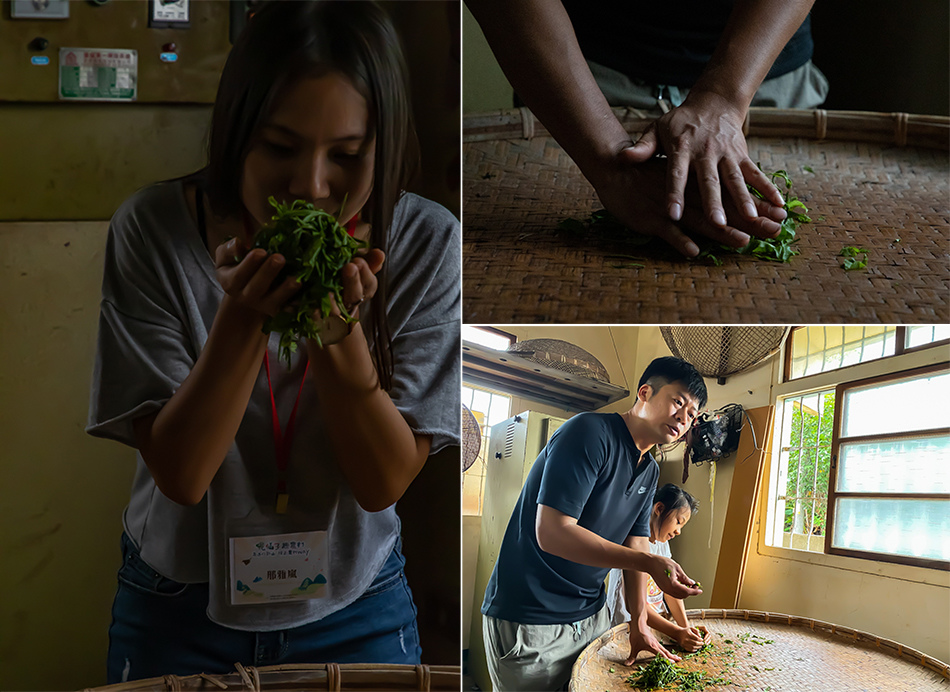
159 300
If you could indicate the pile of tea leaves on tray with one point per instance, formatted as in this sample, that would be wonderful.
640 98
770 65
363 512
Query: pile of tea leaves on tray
315 247
778 249
663 674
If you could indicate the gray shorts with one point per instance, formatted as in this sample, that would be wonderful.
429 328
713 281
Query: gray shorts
805 87
526 658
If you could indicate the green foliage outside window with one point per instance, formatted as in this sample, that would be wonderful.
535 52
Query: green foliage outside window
809 456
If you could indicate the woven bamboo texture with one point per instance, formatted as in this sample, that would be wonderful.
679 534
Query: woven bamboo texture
781 653
880 182
330 676
471 438
561 355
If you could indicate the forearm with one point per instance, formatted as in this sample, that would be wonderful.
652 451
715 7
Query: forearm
635 584
374 446
754 36
535 45
567 540
661 624
678 611
185 442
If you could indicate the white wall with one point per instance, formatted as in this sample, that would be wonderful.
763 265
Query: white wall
471 531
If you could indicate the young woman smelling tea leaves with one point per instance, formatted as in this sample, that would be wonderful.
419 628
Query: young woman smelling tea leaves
261 526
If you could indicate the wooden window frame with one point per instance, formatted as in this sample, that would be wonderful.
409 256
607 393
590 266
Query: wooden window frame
836 441
902 337
815 504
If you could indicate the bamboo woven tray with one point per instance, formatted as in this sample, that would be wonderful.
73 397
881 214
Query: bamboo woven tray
877 178
780 653
330 676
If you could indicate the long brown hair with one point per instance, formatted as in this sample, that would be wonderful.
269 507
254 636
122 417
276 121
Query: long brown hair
289 40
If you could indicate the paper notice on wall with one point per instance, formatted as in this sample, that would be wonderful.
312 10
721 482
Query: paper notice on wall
98 74
169 13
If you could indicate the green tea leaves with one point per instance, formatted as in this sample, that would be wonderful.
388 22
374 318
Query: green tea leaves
778 249
573 225
855 258
663 673
316 248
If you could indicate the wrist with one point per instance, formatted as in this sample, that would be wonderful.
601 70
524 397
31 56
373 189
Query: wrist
239 319
713 96
237 334
641 560
602 164
346 364
331 331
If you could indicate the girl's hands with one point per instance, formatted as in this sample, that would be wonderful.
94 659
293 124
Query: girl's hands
359 280
249 278
691 639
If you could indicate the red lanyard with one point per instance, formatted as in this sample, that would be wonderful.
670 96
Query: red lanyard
282 442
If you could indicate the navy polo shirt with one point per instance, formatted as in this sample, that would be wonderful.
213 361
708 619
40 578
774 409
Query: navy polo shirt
666 42
589 470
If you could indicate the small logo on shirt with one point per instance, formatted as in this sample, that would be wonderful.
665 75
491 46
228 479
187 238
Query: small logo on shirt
642 490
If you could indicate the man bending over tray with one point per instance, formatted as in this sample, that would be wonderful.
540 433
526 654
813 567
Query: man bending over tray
584 509
717 54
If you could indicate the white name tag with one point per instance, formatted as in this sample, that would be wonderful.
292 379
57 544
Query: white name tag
279 567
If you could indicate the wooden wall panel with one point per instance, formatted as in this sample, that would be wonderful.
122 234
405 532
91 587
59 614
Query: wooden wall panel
740 514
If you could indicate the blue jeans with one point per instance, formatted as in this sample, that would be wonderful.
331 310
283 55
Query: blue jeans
160 627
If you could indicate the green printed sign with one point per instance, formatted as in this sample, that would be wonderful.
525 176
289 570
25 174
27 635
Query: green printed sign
97 74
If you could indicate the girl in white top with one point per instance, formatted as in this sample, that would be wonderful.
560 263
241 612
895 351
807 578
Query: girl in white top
672 508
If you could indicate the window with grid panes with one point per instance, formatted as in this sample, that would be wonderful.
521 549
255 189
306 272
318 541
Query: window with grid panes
489 408
890 476
861 468
815 350
799 492
915 337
